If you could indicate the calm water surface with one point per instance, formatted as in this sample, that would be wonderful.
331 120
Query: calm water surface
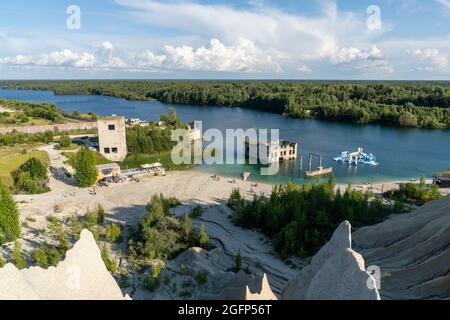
402 153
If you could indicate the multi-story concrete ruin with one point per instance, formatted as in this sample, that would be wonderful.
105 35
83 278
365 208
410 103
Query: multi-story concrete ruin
270 152
112 137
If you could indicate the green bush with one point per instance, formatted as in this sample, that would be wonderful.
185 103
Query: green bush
2 261
236 201
85 167
414 193
202 278
31 177
75 227
152 282
110 262
18 257
65 141
26 184
160 235
202 237
46 257
9 216
238 262
113 233
196 212
35 168
91 218
186 227
186 293
100 215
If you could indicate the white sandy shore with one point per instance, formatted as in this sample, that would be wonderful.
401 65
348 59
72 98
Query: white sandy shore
126 203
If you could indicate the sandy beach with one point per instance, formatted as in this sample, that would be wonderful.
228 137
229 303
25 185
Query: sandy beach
125 203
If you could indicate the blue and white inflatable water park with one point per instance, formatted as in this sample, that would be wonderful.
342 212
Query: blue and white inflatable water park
358 157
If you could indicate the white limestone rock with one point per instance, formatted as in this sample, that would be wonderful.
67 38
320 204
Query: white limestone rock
245 286
81 276
412 251
335 272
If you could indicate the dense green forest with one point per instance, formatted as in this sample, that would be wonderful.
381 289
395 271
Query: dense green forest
406 104
301 219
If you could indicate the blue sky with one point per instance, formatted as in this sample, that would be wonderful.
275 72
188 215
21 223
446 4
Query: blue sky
253 39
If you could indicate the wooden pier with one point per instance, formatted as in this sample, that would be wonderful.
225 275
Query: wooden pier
320 171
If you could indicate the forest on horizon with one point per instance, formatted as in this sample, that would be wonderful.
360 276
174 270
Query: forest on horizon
421 104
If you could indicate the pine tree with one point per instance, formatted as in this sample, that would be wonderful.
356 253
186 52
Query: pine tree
203 237
85 170
9 216
65 141
186 226
35 168
17 256
238 262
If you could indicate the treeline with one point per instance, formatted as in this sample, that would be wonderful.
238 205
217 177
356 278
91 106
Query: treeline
405 104
301 219
161 235
25 111
18 138
413 193
153 139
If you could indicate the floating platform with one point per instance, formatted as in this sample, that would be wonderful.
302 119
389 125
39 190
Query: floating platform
321 171
358 157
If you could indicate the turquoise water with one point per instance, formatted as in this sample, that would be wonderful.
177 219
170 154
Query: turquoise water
402 153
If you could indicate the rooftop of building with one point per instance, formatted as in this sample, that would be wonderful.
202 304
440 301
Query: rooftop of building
109 118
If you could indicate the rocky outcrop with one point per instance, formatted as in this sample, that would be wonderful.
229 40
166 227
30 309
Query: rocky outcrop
336 272
412 251
81 276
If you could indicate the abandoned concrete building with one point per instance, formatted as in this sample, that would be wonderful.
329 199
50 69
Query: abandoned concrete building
112 138
273 151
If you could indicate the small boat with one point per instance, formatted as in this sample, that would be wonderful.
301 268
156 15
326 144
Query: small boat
358 157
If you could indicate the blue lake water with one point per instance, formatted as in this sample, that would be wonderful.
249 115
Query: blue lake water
402 153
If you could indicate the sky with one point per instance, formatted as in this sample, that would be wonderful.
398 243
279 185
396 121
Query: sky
218 39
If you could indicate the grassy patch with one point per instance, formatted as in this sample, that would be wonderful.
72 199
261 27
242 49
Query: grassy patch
71 158
12 158
137 159
12 121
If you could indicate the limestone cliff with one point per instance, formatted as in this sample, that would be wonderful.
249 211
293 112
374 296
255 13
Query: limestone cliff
336 272
412 251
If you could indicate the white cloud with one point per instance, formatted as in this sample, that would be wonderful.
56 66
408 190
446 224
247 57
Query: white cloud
297 36
445 3
245 57
371 60
351 54
102 58
16 60
432 59
218 57
150 60
65 58
304 69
